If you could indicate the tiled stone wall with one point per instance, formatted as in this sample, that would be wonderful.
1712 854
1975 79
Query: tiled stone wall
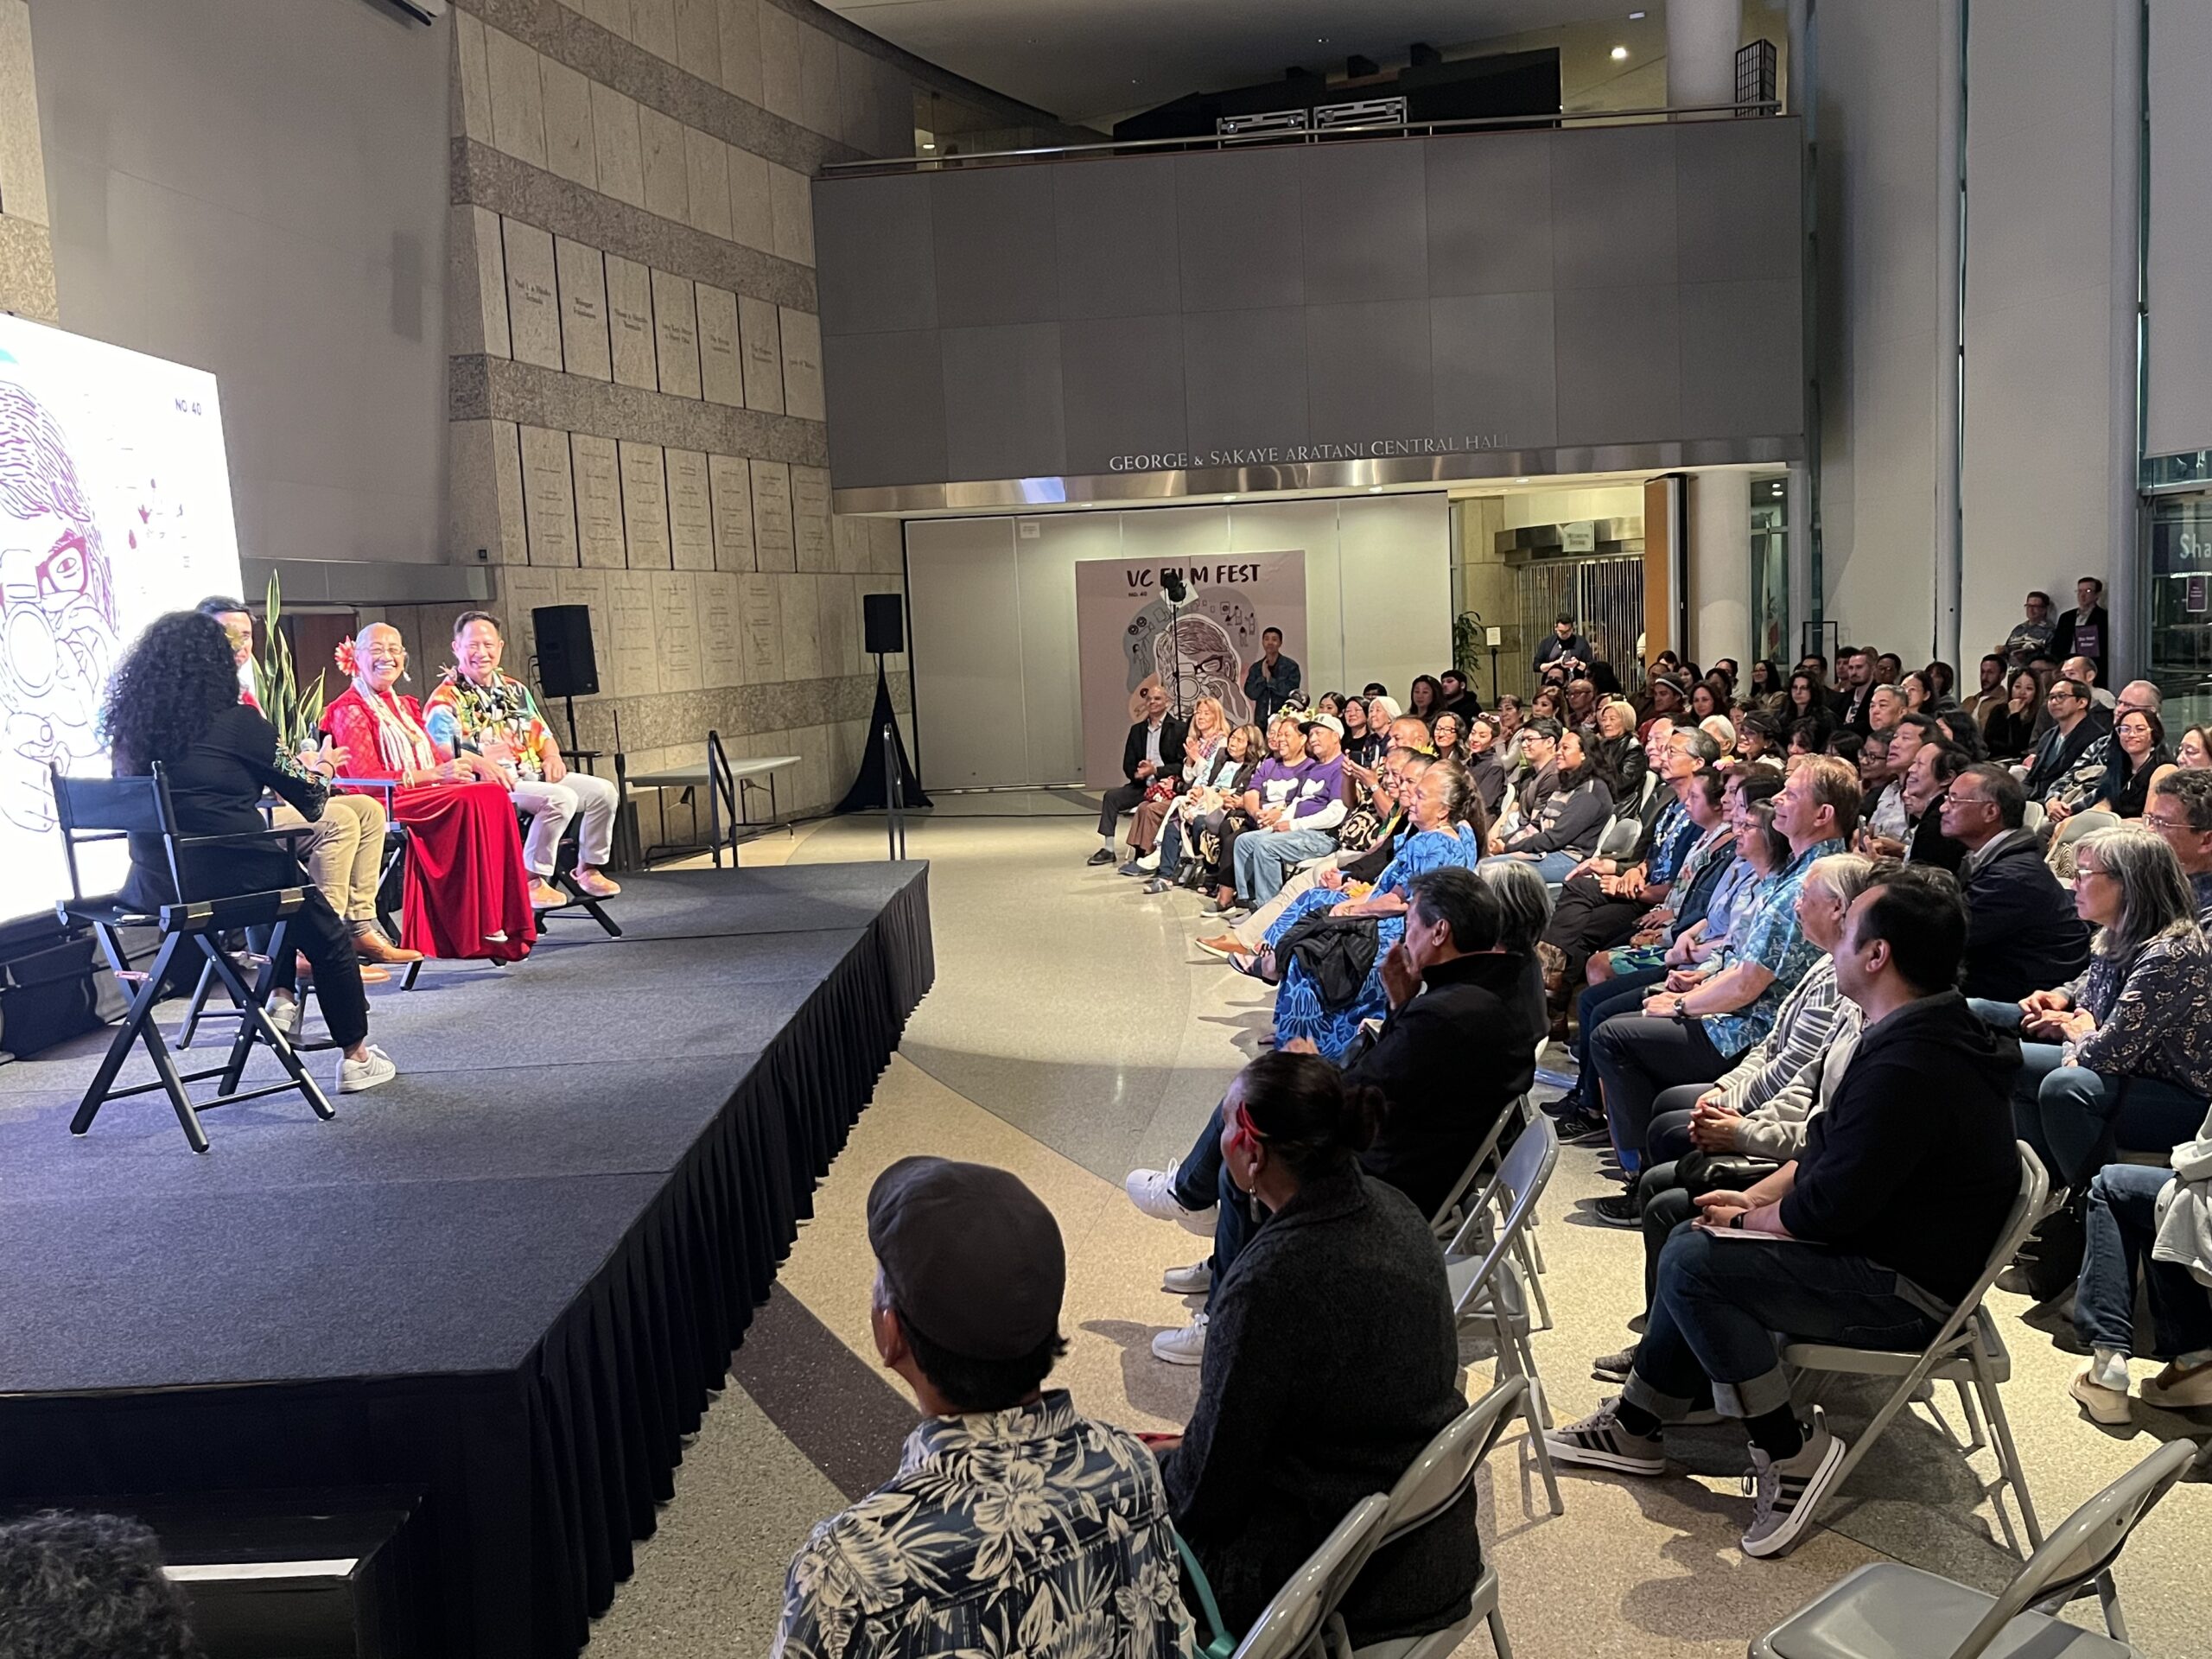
636 388
26 246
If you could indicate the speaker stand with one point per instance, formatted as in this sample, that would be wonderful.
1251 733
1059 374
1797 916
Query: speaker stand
573 745
867 790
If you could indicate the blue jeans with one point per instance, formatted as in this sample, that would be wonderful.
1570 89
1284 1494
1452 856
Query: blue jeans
1171 846
1553 867
2120 1220
1719 1300
2078 1119
1202 1179
1265 858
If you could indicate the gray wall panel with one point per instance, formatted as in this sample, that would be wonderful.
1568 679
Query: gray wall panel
1116 224
1366 215
1742 365
1244 377
1490 214
1613 208
1492 357
1620 372
1239 224
874 271
1527 291
1716 172
1367 371
1123 377
1002 404
996 258
888 393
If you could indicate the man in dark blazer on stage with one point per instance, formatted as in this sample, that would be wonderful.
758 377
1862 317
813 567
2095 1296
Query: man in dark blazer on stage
1154 750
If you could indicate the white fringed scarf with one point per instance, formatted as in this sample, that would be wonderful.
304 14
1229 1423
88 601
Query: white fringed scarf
401 740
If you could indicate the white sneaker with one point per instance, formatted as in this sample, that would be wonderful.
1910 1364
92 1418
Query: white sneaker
354 1076
1184 1347
1153 1191
285 1014
1193 1281
1150 861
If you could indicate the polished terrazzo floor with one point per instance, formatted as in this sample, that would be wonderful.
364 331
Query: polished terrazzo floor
1072 1033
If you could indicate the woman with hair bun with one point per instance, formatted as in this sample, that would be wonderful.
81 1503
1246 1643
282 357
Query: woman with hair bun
1332 1361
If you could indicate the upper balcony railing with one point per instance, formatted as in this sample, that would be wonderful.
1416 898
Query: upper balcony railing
1323 134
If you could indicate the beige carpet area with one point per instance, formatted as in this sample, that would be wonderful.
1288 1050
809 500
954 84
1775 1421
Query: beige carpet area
1074 1032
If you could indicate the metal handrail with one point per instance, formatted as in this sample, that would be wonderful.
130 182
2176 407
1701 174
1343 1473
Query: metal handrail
1217 141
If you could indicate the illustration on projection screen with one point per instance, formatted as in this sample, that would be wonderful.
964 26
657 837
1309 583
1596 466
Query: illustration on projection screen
115 506
57 621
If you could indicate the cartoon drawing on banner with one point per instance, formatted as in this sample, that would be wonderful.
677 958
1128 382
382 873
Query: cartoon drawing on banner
1202 654
58 625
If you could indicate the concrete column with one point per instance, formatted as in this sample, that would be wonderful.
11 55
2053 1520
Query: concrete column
1702 40
1950 183
2124 597
1720 565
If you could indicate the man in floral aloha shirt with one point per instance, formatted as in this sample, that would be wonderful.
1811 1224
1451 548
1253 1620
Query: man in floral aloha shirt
1013 1526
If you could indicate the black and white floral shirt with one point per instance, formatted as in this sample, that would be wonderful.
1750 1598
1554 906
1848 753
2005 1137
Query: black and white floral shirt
1030 1532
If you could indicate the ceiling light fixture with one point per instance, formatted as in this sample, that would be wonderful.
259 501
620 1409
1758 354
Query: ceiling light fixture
1619 52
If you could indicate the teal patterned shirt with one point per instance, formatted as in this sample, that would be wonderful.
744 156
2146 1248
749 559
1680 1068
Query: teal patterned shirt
1770 939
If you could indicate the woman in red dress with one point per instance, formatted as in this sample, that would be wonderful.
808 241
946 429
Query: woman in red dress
468 894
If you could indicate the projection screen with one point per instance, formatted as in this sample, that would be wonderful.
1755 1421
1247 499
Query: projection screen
115 506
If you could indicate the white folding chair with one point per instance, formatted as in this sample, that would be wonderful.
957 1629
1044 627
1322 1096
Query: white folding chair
1431 1485
2082 824
1967 1352
1490 1288
1889 1611
1289 1626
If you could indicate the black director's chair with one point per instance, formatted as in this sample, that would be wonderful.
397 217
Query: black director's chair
108 808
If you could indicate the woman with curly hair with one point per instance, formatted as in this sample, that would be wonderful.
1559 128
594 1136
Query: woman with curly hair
173 701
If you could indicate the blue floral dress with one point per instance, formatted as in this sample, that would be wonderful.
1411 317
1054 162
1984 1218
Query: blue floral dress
1298 1011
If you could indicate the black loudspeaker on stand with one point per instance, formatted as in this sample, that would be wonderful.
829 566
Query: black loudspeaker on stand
568 668
884 624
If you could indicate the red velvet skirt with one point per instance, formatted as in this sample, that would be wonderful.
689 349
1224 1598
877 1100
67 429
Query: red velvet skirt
467 894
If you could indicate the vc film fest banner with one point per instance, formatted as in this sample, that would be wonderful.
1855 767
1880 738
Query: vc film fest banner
1129 637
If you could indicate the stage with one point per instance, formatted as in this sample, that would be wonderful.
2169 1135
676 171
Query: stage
506 1281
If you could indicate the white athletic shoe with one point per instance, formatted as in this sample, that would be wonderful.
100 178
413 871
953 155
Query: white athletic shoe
1184 1347
354 1076
1153 1191
1193 1281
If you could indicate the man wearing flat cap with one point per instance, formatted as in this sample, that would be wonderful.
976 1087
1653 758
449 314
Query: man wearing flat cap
1013 1525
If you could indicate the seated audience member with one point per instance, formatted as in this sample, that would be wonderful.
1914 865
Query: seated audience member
1524 907
1208 734
1873 763
1612 741
2022 932
1886 825
2135 757
1366 842
1991 693
1961 730
1442 836
1332 1361
1456 984
1458 696
88 1586
496 717
1669 702
2008 727
1851 1248
1276 785
1735 1116
1805 701
2065 765
1199 813
2155 1223
1569 816
1933 767
1758 737
1424 699
1717 883
1153 750
1363 746
1483 764
2193 753
2121 1056
1581 703
467 892
344 847
1885 707
1701 1025
945 1557
2181 811
1444 734
1603 898
1267 854
1509 715
2081 669
174 699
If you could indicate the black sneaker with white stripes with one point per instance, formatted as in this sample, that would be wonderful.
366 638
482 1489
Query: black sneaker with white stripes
1786 1493
1586 1127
